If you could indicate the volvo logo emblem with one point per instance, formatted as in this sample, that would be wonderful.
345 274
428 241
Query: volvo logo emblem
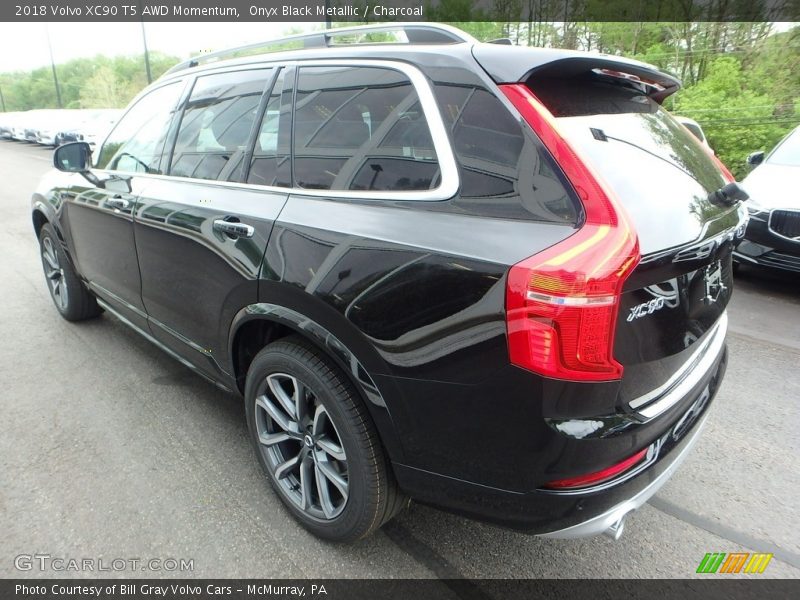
308 441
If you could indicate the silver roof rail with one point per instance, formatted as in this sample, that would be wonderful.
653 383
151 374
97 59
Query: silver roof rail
416 33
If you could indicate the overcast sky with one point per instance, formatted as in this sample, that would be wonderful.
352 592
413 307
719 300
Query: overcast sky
23 46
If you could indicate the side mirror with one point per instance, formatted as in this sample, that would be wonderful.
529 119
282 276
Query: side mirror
755 158
73 157
728 195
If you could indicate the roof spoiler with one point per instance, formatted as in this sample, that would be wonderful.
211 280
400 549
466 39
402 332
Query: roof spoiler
512 65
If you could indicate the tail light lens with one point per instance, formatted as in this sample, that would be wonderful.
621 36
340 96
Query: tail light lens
562 304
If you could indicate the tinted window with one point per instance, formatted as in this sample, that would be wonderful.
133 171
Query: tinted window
361 128
503 171
137 142
271 163
615 125
215 128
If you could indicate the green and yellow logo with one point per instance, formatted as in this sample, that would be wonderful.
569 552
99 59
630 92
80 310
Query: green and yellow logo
735 562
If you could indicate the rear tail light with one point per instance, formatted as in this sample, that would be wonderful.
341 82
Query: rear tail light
562 304
599 476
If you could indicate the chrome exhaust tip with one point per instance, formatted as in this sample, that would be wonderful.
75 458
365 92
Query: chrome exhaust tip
615 530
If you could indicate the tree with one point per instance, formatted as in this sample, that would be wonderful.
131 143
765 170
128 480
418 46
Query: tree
736 118
103 89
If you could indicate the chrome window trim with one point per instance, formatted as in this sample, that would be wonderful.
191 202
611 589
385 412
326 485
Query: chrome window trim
449 183
687 377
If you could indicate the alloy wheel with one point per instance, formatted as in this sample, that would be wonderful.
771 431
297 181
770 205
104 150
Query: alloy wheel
302 447
54 273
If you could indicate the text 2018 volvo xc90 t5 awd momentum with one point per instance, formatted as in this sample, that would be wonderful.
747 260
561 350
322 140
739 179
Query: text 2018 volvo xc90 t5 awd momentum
492 279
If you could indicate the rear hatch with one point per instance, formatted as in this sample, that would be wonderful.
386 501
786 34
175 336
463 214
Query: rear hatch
672 305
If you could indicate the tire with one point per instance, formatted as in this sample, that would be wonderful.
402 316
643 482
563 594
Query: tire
71 298
340 486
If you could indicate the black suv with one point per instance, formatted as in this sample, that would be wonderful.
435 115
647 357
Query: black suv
489 278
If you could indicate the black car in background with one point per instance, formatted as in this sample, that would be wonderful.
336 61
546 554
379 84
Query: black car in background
489 278
773 233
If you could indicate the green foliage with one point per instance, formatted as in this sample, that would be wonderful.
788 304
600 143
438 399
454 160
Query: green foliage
736 115
99 82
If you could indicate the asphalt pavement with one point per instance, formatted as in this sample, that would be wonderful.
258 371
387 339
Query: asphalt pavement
109 449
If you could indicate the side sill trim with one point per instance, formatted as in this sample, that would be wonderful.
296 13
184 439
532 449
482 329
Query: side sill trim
159 345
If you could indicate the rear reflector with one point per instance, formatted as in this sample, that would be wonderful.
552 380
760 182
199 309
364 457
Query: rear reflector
598 476
562 304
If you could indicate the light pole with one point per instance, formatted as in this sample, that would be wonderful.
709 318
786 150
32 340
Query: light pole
53 65
146 54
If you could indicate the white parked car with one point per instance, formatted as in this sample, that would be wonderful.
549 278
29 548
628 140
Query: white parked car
695 129
772 238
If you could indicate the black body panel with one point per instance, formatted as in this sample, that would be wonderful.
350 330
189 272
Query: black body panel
195 278
100 226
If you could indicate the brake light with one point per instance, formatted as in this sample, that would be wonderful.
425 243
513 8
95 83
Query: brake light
598 476
562 304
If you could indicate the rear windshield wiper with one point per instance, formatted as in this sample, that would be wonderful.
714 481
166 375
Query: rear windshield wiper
601 136
728 195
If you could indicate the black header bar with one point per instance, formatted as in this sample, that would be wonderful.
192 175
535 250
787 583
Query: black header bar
371 11
709 588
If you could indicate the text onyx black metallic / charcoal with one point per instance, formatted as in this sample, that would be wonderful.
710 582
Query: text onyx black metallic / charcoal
483 277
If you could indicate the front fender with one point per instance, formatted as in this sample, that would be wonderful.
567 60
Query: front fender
43 211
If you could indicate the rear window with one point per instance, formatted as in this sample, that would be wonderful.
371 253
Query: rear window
643 152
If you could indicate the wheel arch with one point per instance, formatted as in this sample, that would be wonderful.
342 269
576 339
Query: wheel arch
39 219
259 324
39 214
43 213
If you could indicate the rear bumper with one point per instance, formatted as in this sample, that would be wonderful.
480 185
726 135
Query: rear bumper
583 512
611 521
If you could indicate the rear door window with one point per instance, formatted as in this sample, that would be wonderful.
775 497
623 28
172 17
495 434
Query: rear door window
361 128
217 123
271 161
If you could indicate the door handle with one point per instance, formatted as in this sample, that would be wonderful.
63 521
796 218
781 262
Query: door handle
234 228
118 202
